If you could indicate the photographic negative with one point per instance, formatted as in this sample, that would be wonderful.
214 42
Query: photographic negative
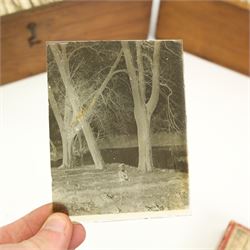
118 128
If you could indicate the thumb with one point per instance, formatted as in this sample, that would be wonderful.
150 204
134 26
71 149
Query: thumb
55 234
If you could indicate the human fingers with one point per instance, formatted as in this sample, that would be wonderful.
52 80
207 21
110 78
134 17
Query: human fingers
78 236
25 227
55 234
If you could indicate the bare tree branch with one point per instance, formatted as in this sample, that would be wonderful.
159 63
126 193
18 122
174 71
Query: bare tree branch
87 110
153 100
76 68
141 81
170 50
148 58
131 73
79 48
55 109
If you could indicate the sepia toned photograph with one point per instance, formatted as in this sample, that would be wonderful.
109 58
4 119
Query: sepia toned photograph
118 128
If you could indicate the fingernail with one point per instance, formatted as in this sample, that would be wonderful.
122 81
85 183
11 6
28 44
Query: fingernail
55 223
76 223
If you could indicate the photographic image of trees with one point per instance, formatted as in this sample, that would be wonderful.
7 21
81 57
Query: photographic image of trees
117 126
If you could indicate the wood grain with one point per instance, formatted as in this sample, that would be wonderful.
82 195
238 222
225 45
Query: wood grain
215 30
24 55
243 4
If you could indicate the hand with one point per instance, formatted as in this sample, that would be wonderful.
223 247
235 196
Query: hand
42 230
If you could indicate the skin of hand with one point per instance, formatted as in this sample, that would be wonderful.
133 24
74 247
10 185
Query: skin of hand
42 230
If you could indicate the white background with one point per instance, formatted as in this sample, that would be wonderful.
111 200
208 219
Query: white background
218 119
218 127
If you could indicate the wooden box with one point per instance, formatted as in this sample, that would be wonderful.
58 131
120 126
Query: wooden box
215 30
24 33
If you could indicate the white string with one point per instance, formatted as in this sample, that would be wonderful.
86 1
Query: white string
153 19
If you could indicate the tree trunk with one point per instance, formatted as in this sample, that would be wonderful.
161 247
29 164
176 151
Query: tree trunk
67 141
63 66
79 139
92 145
143 110
65 162
145 161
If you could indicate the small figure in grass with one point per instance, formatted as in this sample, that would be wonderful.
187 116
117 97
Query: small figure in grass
123 175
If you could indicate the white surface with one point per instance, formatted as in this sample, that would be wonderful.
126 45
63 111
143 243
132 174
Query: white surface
218 115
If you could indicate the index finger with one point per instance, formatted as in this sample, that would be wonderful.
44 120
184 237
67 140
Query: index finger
25 227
